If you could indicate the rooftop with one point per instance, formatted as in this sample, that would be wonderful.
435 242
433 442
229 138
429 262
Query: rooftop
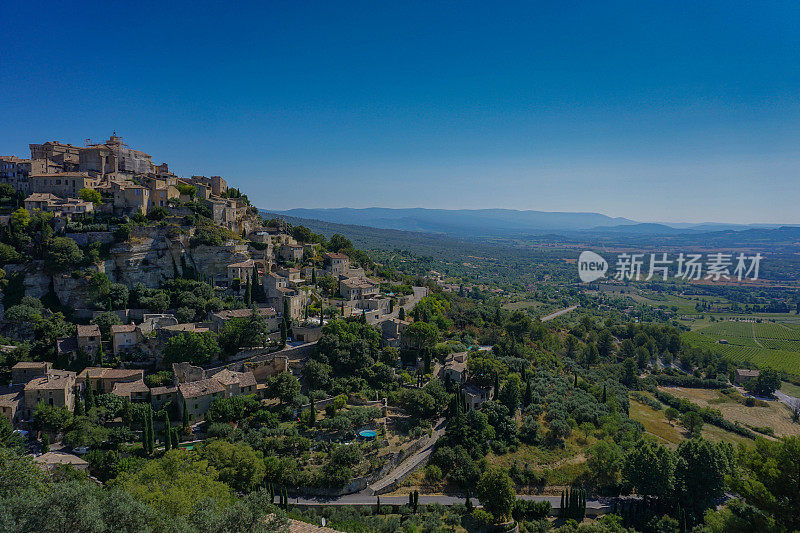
331 255
125 389
92 330
59 458
202 387
227 314
97 372
54 380
123 328
229 377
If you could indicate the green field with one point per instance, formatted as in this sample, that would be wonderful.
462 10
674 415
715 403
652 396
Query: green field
766 344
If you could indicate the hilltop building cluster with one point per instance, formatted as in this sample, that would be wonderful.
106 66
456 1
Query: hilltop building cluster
157 227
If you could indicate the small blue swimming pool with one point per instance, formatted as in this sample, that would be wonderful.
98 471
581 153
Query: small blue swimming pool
368 434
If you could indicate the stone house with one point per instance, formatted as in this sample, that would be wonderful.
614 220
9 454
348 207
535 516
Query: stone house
11 400
291 252
357 288
56 389
50 460
24 371
102 380
89 338
392 332
743 375
455 367
476 396
243 271
63 184
291 274
130 198
337 264
125 338
161 396
219 319
135 391
198 397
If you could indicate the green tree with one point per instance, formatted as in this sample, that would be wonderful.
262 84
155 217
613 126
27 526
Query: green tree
511 393
238 465
496 493
8 438
175 483
692 421
768 479
285 387
670 413
90 195
105 320
765 384
21 218
62 254
629 372
51 418
700 473
196 348
604 462
650 469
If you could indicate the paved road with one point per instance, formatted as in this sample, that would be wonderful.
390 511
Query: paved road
791 401
443 499
558 313
411 463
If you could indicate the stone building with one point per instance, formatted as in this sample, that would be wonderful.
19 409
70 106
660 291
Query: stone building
56 389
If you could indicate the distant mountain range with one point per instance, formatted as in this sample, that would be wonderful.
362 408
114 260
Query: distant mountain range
504 222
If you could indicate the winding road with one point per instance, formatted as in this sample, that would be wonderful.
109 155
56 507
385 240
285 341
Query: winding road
558 313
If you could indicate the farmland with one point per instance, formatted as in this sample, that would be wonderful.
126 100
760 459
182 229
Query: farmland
671 434
766 344
774 414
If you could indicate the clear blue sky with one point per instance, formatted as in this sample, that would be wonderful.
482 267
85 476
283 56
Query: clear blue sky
673 111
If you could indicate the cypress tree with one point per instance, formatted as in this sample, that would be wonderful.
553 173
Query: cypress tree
468 504
416 501
363 316
248 293
152 440
341 309
185 419
575 385
45 442
314 277
167 433
378 506
283 333
313 413
401 314
528 393
562 510
496 386
88 394
411 500
604 393
174 438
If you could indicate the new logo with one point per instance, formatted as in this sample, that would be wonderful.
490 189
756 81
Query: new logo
591 266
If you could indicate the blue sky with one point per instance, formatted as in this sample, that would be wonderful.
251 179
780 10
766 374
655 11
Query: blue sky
656 111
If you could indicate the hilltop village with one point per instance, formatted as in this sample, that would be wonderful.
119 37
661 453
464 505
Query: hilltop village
145 272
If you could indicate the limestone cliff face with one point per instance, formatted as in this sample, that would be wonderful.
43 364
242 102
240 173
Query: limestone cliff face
71 292
151 257
147 257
